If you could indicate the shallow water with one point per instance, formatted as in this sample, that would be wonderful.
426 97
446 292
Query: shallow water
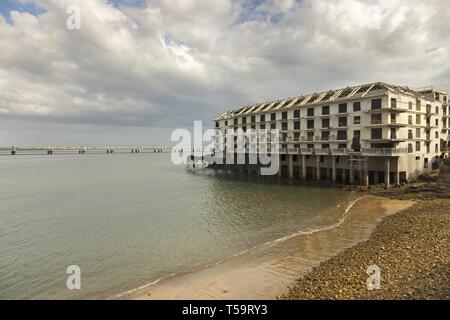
127 220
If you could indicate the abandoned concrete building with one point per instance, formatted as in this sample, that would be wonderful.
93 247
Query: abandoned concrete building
375 133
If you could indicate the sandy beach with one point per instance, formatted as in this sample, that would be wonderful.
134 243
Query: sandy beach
266 272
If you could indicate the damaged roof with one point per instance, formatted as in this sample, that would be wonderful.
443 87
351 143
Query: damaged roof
354 92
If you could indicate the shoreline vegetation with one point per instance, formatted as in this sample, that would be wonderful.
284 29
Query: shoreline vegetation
410 247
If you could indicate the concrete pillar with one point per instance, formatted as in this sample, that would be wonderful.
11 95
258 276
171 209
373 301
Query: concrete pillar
291 166
352 180
333 169
397 173
387 170
366 173
344 176
279 166
318 168
304 167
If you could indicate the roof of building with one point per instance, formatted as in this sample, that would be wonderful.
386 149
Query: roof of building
355 92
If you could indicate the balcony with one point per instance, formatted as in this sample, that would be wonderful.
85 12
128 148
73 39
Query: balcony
323 152
307 151
379 123
303 138
395 123
392 109
339 152
384 152
321 138
430 112
293 151
340 126
325 138
341 138
395 108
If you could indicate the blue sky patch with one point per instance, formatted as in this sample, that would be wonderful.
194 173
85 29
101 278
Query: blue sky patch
128 3
6 6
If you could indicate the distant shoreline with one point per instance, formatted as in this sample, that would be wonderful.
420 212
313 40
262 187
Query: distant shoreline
16 151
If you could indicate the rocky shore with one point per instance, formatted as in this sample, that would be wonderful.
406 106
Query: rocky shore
411 248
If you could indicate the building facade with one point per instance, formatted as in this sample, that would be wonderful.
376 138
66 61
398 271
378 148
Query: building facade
376 133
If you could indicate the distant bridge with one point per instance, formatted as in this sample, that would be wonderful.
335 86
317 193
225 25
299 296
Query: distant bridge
90 150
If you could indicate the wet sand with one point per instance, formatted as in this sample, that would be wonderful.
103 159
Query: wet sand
267 272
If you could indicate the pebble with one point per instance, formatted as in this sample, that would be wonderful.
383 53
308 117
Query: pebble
410 270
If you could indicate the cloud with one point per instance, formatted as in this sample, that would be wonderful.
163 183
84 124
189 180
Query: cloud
164 63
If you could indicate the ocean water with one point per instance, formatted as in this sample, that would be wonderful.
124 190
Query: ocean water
127 220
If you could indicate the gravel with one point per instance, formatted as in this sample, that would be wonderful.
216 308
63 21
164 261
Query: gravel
411 248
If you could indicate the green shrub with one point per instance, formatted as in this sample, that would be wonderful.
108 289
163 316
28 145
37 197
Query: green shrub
447 162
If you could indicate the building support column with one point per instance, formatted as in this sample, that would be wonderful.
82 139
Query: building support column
291 166
279 166
344 176
352 180
397 173
318 168
304 167
333 169
366 172
387 170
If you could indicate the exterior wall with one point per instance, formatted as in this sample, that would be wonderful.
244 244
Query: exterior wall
414 132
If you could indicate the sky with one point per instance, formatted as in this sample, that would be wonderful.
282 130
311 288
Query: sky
138 69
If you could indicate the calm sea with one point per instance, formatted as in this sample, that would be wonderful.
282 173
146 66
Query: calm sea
127 220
